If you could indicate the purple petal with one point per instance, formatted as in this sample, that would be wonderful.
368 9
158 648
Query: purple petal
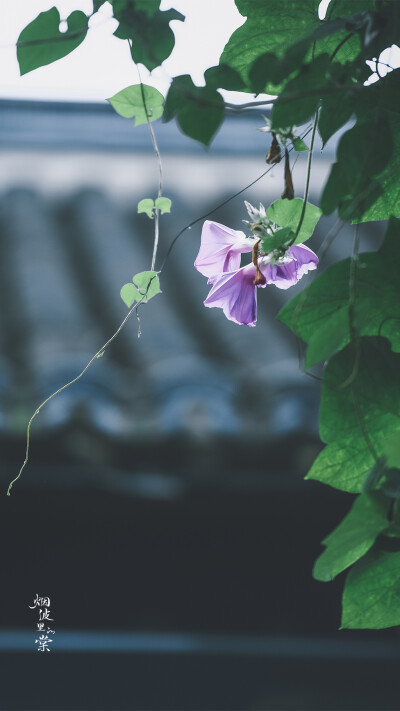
236 295
285 275
304 257
220 249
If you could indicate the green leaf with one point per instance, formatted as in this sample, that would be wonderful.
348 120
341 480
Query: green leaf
129 294
150 7
320 314
360 406
269 28
300 98
374 380
391 450
354 536
265 72
97 5
280 238
269 70
146 205
387 202
371 597
224 77
345 44
334 114
199 110
299 145
381 101
147 28
32 52
352 186
343 465
163 204
374 477
148 284
286 213
145 284
129 102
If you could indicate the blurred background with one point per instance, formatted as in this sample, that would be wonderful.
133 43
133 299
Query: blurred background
163 510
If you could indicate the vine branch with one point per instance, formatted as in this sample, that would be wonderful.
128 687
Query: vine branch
99 353
160 168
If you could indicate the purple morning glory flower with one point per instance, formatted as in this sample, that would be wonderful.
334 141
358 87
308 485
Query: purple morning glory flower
220 249
234 289
236 294
286 272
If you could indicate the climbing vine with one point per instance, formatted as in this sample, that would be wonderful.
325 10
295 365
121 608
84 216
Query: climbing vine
349 316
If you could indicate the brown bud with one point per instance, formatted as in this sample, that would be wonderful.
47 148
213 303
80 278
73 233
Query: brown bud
289 189
274 153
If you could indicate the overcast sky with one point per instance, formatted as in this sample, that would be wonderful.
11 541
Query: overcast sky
101 65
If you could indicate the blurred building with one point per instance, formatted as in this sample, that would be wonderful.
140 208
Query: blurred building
163 508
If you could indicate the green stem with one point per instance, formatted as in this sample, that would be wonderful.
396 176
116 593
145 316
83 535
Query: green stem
160 169
309 162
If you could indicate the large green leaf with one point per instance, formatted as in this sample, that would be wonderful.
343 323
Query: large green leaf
382 99
361 392
343 465
320 314
41 42
354 536
364 182
286 213
334 114
391 449
198 110
360 407
346 41
223 77
388 202
129 102
269 27
299 99
371 596
353 184
147 28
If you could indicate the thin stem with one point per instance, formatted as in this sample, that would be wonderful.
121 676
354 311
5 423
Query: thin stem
159 194
99 353
160 170
309 162
287 99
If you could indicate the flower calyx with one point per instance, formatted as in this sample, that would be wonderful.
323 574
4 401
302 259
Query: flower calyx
259 223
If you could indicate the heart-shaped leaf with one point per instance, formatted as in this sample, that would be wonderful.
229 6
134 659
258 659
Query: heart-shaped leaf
163 204
147 206
142 101
129 294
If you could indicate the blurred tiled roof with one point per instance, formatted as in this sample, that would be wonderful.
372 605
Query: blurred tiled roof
64 258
